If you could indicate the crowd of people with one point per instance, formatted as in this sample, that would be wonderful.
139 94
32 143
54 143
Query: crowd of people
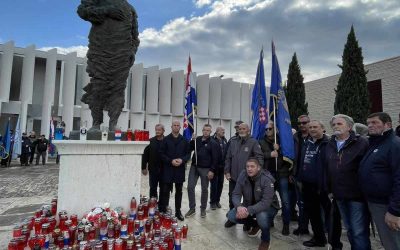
351 177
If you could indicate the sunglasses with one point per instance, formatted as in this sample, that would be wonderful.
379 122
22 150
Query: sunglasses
302 123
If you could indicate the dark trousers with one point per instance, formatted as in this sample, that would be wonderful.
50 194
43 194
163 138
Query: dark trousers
232 185
303 220
32 155
24 158
41 154
154 181
217 183
165 190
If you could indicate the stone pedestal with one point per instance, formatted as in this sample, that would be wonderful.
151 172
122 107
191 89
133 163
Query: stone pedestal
95 172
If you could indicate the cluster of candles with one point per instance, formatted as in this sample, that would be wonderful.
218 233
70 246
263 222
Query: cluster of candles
143 228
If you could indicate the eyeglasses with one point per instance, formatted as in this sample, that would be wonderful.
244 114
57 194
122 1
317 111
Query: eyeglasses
302 123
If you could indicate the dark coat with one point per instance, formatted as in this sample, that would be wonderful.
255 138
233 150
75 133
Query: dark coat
223 146
174 148
379 172
263 192
280 167
206 155
299 142
26 145
398 131
151 156
342 166
41 145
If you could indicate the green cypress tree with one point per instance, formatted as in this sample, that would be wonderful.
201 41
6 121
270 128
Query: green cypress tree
352 96
295 92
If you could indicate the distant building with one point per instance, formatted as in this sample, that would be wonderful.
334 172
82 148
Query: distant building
41 85
383 87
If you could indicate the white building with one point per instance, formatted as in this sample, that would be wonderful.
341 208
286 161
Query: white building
40 85
383 87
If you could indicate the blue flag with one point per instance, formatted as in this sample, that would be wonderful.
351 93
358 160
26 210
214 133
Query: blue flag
17 141
6 141
259 102
279 109
190 104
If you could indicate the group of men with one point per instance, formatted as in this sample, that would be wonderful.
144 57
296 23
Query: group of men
344 177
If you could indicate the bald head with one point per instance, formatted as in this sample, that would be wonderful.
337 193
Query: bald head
244 130
176 127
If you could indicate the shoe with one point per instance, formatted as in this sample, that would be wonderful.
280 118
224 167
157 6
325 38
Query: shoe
213 206
254 232
299 231
246 228
285 230
190 213
179 216
314 243
263 245
218 205
203 213
229 223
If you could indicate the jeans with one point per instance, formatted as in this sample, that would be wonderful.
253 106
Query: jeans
390 239
217 183
154 182
263 218
283 189
194 174
355 216
165 190
232 185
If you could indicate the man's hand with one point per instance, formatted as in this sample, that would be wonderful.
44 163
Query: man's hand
228 176
179 161
210 175
175 163
276 146
292 179
144 171
242 213
392 221
274 154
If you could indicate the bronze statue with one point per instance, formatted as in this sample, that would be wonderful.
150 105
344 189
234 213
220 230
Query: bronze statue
113 42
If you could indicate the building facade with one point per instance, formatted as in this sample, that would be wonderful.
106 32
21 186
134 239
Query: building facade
383 87
38 86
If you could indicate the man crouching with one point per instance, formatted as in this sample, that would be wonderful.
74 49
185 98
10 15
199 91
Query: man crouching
256 186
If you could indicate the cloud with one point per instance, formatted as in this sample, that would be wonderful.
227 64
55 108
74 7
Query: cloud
227 39
81 50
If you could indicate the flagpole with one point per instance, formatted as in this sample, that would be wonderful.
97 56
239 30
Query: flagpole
275 113
194 131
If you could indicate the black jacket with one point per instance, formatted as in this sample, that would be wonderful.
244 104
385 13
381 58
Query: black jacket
263 192
398 131
280 167
41 145
223 146
342 166
151 156
26 145
173 148
299 142
206 153
379 171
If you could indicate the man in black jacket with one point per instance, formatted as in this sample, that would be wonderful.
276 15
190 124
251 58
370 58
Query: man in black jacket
204 164
379 177
175 152
25 150
217 183
252 197
41 144
32 138
151 160
341 160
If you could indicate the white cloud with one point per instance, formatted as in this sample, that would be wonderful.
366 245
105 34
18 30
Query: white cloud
202 3
81 50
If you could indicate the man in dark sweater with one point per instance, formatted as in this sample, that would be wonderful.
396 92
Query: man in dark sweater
151 160
341 158
379 178
204 164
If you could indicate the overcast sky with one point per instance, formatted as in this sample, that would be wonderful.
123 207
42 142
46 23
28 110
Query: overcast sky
223 36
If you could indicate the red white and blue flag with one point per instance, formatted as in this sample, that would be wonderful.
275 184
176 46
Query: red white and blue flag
52 150
190 104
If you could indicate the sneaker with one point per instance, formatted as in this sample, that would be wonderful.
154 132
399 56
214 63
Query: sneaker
190 213
229 223
263 245
203 213
254 232
299 231
246 228
218 205
179 215
285 229
213 206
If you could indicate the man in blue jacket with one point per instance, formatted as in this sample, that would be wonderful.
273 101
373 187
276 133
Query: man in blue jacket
380 178
175 153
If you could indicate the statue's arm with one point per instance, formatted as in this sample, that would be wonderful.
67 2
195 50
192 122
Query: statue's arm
92 13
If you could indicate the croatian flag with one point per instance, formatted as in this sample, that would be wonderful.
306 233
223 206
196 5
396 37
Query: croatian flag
190 104
51 148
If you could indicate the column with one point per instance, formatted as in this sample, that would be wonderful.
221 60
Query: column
245 103
137 97
152 114
235 105
49 89
215 102
6 70
164 95
178 92
69 91
226 104
203 96
26 90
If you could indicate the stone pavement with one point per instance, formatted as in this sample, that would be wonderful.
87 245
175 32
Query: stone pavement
25 189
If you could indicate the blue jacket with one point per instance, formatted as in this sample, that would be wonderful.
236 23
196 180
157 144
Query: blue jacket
379 172
173 148
309 168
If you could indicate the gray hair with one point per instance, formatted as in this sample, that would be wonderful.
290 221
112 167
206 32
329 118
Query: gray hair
219 128
160 125
319 122
348 119
360 129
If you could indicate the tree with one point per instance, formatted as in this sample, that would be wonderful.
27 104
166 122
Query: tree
352 96
295 92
